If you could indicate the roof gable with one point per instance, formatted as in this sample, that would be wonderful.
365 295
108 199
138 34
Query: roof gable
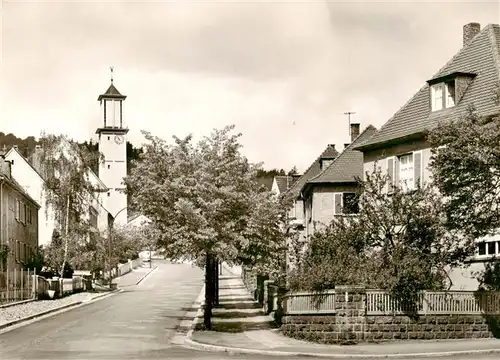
348 165
313 170
17 153
284 182
481 58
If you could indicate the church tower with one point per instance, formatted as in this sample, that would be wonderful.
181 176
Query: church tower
113 145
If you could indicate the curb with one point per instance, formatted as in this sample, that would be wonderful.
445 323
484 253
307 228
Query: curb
244 351
146 274
64 307
200 300
189 342
16 303
31 317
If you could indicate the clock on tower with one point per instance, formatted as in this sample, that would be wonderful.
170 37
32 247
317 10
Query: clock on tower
113 146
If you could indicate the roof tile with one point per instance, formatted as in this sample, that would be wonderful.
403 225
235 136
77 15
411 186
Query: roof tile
348 165
480 57
313 170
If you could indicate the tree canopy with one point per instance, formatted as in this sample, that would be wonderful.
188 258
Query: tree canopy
466 169
398 242
68 193
204 198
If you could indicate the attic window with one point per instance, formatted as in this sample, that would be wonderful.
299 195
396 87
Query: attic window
443 95
325 163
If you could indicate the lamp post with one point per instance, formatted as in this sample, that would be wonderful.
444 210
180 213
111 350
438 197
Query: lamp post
109 240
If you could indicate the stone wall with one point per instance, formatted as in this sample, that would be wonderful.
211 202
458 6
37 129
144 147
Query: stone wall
351 324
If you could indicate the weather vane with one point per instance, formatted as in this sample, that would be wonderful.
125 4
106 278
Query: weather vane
111 68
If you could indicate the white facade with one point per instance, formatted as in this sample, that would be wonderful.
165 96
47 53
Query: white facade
32 183
113 146
139 221
26 175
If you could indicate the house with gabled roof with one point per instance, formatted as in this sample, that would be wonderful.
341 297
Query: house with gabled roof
29 175
400 149
18 220
334 191
281 183
296 214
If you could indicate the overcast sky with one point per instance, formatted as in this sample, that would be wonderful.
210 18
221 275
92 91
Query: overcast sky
283 72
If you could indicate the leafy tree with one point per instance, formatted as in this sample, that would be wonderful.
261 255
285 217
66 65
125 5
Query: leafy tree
465 165
68 192
293 171
201 199
264 242
36 260
126 244
271 173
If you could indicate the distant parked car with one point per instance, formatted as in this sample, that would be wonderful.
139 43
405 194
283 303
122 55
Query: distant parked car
145 255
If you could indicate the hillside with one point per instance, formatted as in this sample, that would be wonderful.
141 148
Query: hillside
27 146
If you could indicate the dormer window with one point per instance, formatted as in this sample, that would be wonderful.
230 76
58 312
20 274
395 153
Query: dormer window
443 95
325 163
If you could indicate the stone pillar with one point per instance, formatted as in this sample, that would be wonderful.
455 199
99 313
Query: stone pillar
350 307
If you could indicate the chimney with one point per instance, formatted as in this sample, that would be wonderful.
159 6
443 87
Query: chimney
5 167
354 131
470 31
346 145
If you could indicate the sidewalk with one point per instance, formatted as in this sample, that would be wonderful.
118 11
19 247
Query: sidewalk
135 276
239 326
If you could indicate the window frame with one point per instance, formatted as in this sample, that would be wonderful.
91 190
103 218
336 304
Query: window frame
342 195
485 243
443 88
410 168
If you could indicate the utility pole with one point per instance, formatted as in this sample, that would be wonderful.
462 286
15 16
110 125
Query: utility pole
349 113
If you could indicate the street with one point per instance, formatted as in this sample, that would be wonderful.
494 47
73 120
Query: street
138 323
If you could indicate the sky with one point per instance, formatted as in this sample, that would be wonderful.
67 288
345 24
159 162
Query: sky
283 72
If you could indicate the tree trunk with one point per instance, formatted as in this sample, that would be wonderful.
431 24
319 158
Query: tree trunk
66 231
216 282
207 314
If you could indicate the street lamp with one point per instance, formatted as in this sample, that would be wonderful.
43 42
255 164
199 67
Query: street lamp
112 221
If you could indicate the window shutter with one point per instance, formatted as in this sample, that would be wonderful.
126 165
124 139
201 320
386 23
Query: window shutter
390 173
338 204
417 167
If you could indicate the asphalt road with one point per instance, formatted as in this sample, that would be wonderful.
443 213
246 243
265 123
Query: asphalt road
138 323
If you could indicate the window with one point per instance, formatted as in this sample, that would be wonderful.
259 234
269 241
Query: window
450 94
18 209
109 138
24 214
109 193
346 204
350 203
406 172
12 203
488 248
325 163
443 95
93 217
109 166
